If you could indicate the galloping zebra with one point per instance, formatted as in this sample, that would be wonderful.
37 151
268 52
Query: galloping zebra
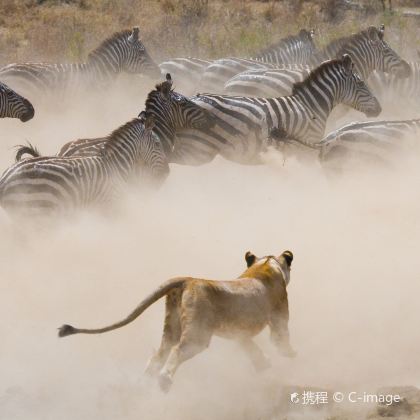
12 105
302 115
296 49
194 71
369 142
57 185
367 49
171 111
122 52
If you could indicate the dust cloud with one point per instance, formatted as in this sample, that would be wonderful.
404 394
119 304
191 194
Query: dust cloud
353 293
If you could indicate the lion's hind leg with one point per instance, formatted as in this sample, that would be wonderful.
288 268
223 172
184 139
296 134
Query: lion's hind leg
256 355
195 337
189 346
171 333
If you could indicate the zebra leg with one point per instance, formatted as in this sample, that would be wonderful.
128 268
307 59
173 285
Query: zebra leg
171 334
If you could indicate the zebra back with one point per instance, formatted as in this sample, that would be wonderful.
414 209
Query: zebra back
122 52
367 49
294 49
369 142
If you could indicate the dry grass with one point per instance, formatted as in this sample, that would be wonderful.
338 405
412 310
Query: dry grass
66 30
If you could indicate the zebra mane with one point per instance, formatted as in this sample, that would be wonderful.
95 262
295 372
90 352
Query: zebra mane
116 136
314 74
122 35
285 43
150 96
335 47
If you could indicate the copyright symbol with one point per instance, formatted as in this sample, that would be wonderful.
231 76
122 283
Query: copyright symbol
338 397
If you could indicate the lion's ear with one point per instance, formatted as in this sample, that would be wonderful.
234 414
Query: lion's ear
288 256
250 258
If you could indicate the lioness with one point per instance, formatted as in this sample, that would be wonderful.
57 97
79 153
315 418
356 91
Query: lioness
196 309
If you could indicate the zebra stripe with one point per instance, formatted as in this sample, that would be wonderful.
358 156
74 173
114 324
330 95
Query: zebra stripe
122 52
368 142
295 49
186 71
54 185
171 111
302 116
189 71
367 49
12 105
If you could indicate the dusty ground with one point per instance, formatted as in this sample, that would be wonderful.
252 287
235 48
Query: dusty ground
353 293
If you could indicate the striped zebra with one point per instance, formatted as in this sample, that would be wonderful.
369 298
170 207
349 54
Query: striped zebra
12 105
122 52
187 71
303 115
295 49
368 50
61 185
171 111
369 142
194 72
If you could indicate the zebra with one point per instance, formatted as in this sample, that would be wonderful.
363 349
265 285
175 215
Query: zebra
61 185
122 52
377 142
12 105
186 70
367 48
295 49
171 111
302 115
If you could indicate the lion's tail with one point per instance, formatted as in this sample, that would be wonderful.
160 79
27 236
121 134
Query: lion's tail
152 298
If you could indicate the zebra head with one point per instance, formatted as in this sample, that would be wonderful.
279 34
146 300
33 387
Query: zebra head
355 92
12 105
154 168
385 58
174 111
124 52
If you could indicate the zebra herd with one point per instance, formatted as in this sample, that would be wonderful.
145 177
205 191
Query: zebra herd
288 92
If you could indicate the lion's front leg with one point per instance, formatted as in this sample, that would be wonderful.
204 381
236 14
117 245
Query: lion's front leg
256 355
279 331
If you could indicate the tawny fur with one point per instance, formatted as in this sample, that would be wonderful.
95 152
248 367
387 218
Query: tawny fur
197 309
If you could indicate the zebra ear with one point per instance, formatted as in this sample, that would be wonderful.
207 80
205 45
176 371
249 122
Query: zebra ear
250 258
167 85
347 63
134 35
142 116
374 33
149 122
381 31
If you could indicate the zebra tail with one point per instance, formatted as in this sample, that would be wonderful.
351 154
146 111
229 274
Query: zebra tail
26 149
163 290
